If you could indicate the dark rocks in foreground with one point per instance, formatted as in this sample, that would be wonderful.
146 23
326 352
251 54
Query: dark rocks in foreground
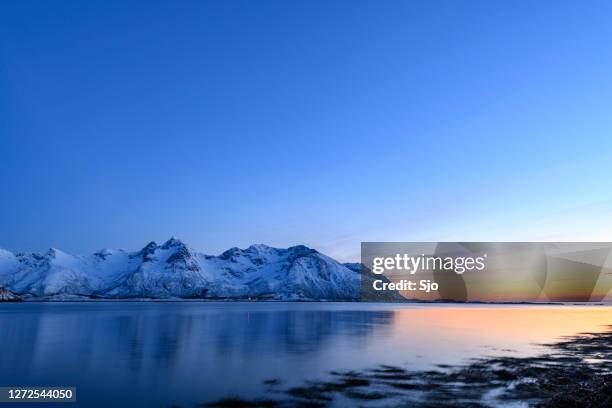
595 394
576 373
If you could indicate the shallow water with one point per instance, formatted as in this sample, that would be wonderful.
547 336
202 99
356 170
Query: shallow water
159 354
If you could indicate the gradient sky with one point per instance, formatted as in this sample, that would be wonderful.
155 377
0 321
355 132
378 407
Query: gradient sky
326 123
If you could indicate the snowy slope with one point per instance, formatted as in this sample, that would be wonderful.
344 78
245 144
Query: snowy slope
8 296
175 270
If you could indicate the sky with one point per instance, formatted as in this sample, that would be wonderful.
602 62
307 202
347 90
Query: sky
324 123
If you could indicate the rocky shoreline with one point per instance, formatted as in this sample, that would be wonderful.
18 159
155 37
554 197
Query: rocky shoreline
576 372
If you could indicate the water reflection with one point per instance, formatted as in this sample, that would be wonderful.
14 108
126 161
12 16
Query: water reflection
159 354
143 345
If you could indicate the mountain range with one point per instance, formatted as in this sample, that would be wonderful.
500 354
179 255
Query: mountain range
173 270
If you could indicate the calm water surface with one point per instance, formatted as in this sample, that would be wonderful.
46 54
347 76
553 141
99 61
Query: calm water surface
160 354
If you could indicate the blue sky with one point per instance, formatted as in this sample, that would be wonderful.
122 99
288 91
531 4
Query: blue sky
326 123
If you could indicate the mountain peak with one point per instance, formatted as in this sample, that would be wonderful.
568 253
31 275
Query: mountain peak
147 252
230 253
173 242
150 246
54 253
301 250
259 248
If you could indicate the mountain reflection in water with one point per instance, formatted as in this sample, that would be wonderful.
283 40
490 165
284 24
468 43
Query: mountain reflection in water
159 354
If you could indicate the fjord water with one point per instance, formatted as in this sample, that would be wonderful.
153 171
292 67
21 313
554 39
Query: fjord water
145 354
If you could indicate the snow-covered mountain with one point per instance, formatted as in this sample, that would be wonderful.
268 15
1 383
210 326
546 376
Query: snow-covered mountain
173 270
8 296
